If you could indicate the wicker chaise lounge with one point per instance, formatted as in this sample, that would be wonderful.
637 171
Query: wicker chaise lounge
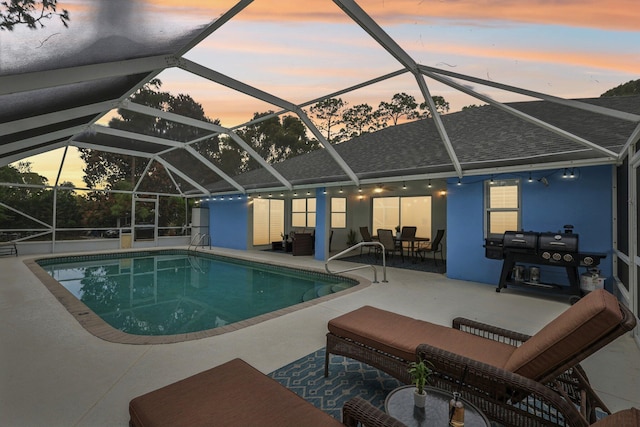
503 366
235 394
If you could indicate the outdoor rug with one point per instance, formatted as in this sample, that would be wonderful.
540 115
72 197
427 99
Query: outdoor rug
396 261
347 378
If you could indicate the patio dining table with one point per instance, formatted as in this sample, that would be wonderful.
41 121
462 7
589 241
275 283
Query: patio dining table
412 241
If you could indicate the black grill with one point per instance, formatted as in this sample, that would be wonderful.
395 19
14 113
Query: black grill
540 248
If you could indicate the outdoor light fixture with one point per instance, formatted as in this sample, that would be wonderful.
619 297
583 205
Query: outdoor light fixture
459 182
491 179
564 175
572 175
340 190
308 193
270 195
295 194
359 189
429 184
530 179
324 191
404 186
281 194
378 189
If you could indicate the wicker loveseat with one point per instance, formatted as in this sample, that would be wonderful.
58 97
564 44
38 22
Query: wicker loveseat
236 394
514 378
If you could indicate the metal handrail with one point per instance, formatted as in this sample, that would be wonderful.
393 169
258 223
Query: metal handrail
356 246
193 240
198 238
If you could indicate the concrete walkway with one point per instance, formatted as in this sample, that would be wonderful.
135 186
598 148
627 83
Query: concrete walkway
54 373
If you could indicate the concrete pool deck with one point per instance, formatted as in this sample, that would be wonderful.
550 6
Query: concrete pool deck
55 373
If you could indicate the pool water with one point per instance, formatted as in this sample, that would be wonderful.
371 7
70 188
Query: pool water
177 292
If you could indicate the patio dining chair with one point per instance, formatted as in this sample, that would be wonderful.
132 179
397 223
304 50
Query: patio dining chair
385 237
366 237
408 232
434 247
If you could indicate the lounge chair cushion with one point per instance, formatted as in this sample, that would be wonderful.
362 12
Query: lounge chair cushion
232 394
568 334
626 418
400 336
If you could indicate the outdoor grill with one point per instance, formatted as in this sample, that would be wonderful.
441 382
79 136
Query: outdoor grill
558 249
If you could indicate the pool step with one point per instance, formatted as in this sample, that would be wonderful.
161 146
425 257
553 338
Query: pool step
323 290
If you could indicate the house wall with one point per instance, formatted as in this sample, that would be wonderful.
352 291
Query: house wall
229 223
584 201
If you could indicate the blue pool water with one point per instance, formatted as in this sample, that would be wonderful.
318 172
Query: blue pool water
176 292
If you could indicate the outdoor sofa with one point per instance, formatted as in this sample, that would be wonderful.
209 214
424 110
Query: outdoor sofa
236 394
514 378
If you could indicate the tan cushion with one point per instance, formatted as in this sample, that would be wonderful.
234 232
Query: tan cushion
626 418
400 335
232 394
576 329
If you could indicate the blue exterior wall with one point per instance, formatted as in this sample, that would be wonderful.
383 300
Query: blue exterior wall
321 224
584 201
228 222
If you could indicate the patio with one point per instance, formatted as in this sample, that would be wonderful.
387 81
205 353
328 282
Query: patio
57 374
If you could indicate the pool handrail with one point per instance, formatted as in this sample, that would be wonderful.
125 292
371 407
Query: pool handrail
356 246
197 240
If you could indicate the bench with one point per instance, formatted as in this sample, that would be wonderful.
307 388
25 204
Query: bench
8 248
236 394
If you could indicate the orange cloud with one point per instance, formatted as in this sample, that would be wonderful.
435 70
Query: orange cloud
611 15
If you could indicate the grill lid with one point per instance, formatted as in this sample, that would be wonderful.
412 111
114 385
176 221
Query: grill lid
520 239
562 242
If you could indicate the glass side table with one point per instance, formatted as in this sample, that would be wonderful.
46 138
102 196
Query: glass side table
399 404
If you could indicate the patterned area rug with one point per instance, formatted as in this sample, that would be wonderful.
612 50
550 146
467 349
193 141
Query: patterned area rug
347 378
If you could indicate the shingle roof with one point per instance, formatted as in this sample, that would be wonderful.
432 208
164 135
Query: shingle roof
481 137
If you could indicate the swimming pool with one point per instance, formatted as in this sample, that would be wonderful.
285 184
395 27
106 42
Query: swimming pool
158 296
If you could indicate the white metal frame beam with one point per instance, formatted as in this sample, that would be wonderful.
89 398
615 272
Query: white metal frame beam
182 175
533 120
543 96
15 83
56 117
142 109
229 82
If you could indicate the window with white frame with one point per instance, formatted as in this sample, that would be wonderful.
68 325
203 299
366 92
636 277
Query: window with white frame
268 221
303 212
390 212
338 212
502 206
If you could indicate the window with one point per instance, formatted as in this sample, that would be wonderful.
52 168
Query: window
339 212
303 212
389 212
268 221
502 206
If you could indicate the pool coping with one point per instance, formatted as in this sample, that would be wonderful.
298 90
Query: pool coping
101 329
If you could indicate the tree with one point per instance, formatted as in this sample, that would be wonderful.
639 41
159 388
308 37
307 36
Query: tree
31 13
442 106
328 112
357 120
276 139
110 168
632 87
401 105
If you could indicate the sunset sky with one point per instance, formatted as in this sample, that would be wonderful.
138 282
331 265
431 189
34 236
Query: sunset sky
302 50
